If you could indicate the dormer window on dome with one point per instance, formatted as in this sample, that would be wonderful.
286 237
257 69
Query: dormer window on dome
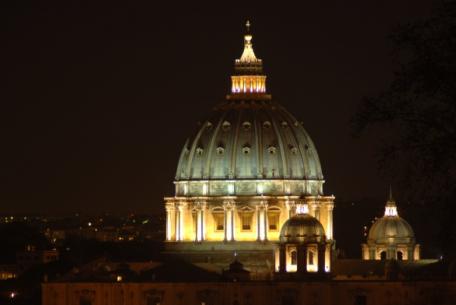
226 126
272 149
246 126
220 150
199 151
246 149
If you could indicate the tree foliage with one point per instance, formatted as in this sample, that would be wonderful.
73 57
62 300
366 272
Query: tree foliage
419 112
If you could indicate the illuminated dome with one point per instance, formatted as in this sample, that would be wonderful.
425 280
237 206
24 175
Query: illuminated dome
247 139
302 228
250 140
391 237
242 175
391 229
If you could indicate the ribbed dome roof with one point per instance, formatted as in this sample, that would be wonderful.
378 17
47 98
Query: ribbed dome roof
256 139
249 145
302 228
391 230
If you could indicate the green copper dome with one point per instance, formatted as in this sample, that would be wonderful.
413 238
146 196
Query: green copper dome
249 145
252 140
391 230
302 228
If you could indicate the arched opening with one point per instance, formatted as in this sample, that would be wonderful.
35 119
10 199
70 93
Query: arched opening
294 257
383 255
400 255
311 258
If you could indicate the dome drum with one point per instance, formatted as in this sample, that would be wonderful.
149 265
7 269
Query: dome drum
248 187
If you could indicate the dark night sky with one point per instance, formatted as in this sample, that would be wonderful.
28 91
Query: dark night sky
99 99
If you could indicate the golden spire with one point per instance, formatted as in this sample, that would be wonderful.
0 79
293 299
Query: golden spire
391 208
248 56
249 78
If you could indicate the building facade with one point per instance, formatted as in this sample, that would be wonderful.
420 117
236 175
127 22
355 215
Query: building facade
243 172
252 293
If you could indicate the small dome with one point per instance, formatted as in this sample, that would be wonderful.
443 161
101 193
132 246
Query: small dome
391 230
302 228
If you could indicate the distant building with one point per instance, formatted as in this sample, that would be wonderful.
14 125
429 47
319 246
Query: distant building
8 271
32 257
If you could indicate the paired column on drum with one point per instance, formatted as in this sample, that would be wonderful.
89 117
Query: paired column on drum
262 221
228 206
291 208
314 208
170 221
329 219
200 207
180 207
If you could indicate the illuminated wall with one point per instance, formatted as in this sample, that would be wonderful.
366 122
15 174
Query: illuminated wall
245 218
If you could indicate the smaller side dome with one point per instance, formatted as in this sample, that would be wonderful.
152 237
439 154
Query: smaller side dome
391 229
302 228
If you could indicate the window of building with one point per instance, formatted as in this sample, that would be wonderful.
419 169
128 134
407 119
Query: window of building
246 149
226 126
246 220
293 149
199 151
288 300
84 300
246 216
294 257
152 300
219 219
400 256
273 219
220 150
272 149
311 258
360 300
